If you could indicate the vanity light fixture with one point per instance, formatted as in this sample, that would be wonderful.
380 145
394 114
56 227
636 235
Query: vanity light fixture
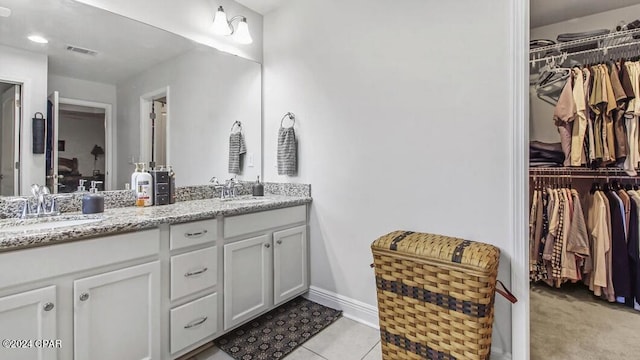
38 39
222 26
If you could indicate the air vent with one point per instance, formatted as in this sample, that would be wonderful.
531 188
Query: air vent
82 50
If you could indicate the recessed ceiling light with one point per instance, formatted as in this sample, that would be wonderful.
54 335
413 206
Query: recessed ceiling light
38 39
5 12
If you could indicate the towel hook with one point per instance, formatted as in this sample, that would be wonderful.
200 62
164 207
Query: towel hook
236 123
291 116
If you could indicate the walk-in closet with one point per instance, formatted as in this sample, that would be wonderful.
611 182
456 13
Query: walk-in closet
584 184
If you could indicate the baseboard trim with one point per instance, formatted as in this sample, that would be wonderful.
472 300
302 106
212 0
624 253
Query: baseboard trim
364 313
351 308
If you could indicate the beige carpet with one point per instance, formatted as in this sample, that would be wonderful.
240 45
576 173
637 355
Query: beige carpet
570 323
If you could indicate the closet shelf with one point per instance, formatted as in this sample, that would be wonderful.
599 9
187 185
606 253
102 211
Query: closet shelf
616 38
579 173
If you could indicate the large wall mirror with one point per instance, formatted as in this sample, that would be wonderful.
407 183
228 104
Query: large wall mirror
115 92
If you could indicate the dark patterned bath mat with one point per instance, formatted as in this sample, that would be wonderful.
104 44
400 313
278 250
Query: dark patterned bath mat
278 332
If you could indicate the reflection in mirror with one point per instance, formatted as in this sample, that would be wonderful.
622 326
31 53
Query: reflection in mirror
11 118
134 92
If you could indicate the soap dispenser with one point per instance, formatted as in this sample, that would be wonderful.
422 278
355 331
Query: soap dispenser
81 187
135 174
258 188
93 202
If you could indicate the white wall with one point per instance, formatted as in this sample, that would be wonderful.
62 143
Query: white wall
78 89
30 69
208 91
404 119
541 125
192 21
80 134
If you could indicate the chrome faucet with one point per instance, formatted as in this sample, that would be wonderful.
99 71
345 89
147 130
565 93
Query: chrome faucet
40 194
227 191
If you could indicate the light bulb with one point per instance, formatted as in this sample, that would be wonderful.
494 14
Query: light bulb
220 24
242 35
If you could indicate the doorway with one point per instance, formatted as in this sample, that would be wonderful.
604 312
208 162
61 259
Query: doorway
11 119
580 183
154 128
79 144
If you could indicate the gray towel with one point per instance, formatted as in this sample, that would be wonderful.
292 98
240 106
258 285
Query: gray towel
237 147
287 151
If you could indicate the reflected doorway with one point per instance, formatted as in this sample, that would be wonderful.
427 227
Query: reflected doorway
11 115
78 144
154 133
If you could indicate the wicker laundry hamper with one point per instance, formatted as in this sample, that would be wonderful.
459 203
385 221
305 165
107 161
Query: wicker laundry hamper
435 296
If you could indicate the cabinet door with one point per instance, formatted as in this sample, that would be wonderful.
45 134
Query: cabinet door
117 314
290 264
29 315
247 279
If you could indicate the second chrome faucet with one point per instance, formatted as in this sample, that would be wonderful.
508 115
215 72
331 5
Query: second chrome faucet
228 190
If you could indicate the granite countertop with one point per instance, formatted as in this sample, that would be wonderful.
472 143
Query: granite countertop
17 234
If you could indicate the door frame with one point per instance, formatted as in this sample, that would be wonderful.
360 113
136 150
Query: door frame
145 127
110 151
519 222
17 131
17 135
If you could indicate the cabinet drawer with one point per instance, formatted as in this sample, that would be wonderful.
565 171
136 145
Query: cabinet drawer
193 322
193 233
193 271
245 224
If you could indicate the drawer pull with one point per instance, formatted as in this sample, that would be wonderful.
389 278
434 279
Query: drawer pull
196 322
279 242
195 234
48 306
194 273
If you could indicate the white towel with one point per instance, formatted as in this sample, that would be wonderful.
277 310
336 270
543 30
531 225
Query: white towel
237 147
287 151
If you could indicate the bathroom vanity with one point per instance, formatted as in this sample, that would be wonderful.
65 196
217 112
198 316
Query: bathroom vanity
161 280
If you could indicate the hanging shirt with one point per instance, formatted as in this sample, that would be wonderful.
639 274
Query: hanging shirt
611 105
619 258
579 130
577 246
588 114
634 251
621 142
563 116
598 231
595 101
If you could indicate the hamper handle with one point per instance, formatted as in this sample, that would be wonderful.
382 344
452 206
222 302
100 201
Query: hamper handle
505 292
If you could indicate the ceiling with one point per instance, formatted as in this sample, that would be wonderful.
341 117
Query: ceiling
124 47
545 12
262 6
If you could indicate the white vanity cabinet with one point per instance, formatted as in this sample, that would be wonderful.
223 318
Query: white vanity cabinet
290 264
117 314
247 279
99 297
193 279
265 262
28 315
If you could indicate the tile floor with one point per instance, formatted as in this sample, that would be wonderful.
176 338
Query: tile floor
345 339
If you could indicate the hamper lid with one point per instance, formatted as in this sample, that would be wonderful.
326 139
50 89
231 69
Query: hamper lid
440 247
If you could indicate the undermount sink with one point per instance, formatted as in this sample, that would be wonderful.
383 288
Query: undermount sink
51 223
243 200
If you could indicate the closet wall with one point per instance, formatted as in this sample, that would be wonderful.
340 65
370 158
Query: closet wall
541 125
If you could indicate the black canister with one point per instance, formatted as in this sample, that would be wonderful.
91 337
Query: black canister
258 188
